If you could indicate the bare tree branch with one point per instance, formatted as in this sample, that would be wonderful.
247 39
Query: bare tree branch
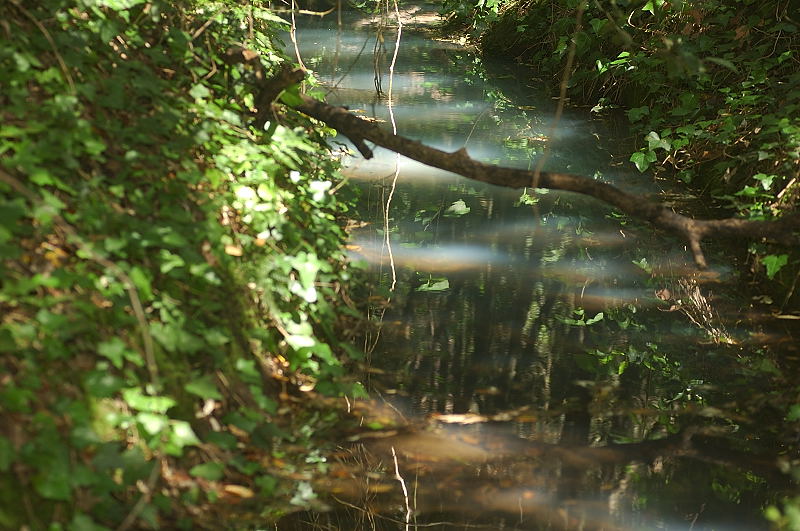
785 231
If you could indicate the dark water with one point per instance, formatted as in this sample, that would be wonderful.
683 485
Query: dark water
550 364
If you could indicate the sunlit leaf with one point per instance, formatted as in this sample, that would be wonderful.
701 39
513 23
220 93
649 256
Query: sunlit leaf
137 400
204 387
458 208
435 285
152 423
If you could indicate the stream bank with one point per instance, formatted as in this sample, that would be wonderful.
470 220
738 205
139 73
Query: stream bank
542 363
710 90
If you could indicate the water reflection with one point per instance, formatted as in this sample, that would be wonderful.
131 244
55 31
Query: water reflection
543 364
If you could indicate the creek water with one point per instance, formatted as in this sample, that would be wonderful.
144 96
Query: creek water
543 363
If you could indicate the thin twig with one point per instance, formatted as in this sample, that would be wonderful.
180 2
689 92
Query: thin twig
399 478
319 14
52 43
293 36
390 105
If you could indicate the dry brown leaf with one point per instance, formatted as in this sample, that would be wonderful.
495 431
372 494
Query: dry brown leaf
233 250
239 490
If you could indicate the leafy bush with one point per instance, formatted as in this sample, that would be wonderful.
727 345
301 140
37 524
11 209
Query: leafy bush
164 265
711 89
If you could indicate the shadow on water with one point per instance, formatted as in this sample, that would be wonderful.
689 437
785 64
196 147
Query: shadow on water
542 363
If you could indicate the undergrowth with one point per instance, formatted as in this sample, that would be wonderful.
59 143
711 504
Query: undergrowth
171 279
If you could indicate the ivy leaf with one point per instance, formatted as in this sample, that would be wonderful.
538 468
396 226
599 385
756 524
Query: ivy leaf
153 423
204 387
435 285
114 350
209 471
642 159
291 96
199 92
458 208
180 435
637 113
774 263
765 180
655 142
154 404
596 318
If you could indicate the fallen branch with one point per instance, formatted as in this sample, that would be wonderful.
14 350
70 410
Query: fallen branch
785 231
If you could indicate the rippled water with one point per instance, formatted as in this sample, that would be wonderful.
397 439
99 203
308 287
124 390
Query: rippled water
543 363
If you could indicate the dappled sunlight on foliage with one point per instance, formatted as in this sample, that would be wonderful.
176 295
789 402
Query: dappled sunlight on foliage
171 276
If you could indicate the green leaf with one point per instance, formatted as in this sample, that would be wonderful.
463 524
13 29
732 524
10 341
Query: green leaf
266 485
596 318
209 471
142 283
199 92
291 96
204 387
84 522
765 180
597 24
153 423
54 482
637 113
458 208
155 404
119 5
642 160
435 285
181 434
774 263
656 142
643 265
114 350
266 14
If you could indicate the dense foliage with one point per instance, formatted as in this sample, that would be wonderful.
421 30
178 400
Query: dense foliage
168 272
711 88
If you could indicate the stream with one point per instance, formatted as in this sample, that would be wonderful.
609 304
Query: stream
542 362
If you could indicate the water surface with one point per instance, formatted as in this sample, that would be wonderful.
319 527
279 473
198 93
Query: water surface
543 363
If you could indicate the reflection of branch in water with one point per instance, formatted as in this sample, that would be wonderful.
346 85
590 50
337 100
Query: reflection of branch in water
783 230
376 60
691 302
562 96
390 105
349 68
399 478
474 125
476 474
